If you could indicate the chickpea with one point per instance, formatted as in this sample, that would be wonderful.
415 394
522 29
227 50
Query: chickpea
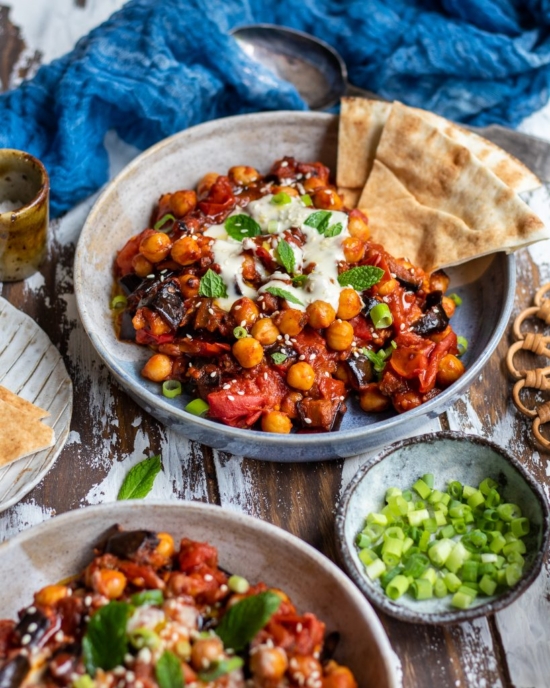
320 314
243 175
250 272
109 583
327 199
165 547
138 321
301 376
440 336
156 247
338 676
186 250
265 331
289 190
340 335
449 306
183 202
313 183
303 667
142 267
289 403
245 312
449 370
354 249
189 285
358 226
291 321
276 421
206 183
385 288
372 400
439 281
269 663
248 352
342 373
51 595
205 651
349 304
158 368
157 325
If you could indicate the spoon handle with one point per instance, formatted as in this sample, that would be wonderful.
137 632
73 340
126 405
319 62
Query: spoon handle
352 90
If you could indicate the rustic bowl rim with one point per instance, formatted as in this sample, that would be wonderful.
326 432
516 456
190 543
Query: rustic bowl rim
376 596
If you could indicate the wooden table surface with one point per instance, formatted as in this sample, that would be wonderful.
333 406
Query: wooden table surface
110 433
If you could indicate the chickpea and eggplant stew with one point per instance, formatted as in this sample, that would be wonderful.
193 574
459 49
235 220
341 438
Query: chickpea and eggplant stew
263 297
143 615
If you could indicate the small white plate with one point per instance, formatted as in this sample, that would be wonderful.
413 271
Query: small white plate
32 367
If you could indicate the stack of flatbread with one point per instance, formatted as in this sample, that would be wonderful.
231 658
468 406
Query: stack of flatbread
434 193
21 430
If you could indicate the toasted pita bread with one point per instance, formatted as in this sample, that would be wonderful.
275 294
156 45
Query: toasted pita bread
350 196
21 404
361 125
21 434
428 237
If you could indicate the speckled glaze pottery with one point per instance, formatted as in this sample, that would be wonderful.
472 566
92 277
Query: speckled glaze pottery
449 456
486 285
62 547
23 231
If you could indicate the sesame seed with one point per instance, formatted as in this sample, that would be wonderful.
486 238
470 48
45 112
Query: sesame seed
211 311
208 577
226 387
269 643
119 671
301 357
205 662
234 382
189 336
145 655
223 588
213 374
279 337
355 354
243 323
402 326
26 639
231 398
128 658
313 357
75 676
237 307
299 628
307 420
32 627
139 684
342 398
130 676
150 277
241 394
284 163
31 610
327 374
58 636
265 376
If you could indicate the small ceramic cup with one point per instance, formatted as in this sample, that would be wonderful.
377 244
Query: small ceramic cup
24 214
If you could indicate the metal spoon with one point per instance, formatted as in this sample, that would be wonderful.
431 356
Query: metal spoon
320 76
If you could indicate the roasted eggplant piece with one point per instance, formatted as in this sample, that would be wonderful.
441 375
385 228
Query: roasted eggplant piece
318 414
370 302
33 625
127 330
167 301
131 544
360 370
14 671
129 283
434 319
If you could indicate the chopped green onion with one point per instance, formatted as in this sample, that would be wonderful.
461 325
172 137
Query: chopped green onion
362 541
381 316
520 527
440 589
171 388
376 569
423 490
439 552
281 198
422 589
238 584
273 226
428 478
462 345
508 512
456 298
306 200
461 600
397 587
455 489
163 220
367 556
487 585
119 301
197 407
240 332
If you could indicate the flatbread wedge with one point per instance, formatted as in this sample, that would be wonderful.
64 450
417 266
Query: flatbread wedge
21 434
361 124
22 404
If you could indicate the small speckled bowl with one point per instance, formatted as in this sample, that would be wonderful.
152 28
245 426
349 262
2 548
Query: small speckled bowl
25 185
449 456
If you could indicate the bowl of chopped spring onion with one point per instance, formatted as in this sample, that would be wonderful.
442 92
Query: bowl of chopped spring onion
443 528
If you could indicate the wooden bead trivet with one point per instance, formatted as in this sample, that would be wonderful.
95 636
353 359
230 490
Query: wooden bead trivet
539 378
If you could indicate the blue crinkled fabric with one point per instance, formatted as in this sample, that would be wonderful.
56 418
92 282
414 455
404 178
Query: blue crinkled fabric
157 67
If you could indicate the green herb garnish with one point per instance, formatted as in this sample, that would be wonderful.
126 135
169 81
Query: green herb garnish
147 597
243 620
168 671
241 227
275 291
299 280
306 200
319 220
333 231
221 668
278 357
140 478
361 278
456 298
163 220
105 642
286 256
462 344
212 286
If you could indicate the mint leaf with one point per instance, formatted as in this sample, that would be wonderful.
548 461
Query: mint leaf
278 357
105 642
319 220
163 220
221 668
335 230
139 479
168 671
243 620
147 597
299 280
284 295
286 256
212 285
241 227
361 278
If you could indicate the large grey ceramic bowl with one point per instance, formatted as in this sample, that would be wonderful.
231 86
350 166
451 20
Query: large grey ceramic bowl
486 286
62 546
449 456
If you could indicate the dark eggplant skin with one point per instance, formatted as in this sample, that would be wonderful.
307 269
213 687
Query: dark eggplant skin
409 285
360 370
14 671
34 625
370 302
130 543
167 301
127 330
129 283
434 319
